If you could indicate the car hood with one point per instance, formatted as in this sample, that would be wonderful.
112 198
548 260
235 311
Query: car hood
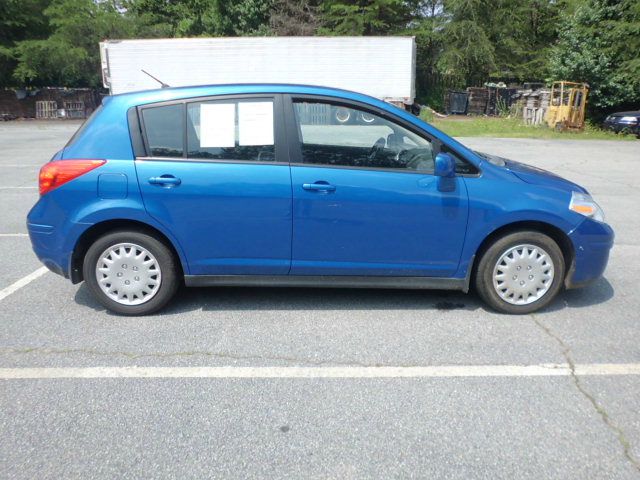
538 176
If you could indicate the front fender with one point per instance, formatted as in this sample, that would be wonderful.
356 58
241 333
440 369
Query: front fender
495 204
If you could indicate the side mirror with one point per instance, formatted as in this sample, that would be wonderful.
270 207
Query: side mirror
445 166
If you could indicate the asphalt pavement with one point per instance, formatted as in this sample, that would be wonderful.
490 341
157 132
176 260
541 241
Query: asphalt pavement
254 418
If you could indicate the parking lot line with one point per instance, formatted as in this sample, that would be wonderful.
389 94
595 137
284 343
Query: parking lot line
5 292
19 188
443 371
14 234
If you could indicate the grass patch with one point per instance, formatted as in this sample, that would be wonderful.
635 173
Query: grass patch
468 126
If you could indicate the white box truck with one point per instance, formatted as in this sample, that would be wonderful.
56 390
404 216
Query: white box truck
383 67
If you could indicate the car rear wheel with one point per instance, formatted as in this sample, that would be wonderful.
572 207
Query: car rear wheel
520 272
131 273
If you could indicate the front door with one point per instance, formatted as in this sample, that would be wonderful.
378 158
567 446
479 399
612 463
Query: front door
215 178
365 200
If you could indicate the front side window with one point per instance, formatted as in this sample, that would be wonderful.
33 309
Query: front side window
241 130
164 127
343 136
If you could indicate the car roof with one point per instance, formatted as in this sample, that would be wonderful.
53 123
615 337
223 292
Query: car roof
622 114
179 93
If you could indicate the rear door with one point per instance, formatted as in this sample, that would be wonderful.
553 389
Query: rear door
215 174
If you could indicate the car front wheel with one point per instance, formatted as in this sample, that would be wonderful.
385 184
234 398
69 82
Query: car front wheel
131 273
520 272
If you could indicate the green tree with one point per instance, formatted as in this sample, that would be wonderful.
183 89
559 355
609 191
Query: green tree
69 56
498 40
523 36
19 20
364 17
468 55
459 42
295 18
599 44
193 18
426 26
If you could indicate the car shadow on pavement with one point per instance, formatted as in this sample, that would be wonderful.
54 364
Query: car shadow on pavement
329 299
595 293
253 298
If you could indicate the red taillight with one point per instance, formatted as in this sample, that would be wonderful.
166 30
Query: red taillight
54 174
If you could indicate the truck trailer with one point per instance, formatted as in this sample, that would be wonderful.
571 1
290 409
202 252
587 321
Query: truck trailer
383 67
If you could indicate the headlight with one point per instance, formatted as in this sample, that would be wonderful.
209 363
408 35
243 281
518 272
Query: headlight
583 204
629 119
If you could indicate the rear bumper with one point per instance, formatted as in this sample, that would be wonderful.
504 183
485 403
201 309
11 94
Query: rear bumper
45 244
592 242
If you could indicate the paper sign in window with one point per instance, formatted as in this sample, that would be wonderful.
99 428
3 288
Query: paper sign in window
217 125
255 122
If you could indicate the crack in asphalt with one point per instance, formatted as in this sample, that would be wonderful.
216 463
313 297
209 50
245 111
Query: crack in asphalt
608 421
565 350
194 353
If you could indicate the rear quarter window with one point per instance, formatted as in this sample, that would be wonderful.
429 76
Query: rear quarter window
164 129
84 126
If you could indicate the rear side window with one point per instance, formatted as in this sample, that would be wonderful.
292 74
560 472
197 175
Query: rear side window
164 127
240 130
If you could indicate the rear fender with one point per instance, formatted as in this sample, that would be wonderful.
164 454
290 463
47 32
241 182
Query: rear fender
120 215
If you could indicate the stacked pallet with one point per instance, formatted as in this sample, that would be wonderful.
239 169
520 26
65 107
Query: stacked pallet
478 99
535 106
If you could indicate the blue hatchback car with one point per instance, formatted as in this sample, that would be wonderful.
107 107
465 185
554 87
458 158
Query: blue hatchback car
288 185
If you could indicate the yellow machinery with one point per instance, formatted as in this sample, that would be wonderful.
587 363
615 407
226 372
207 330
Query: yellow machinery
566 106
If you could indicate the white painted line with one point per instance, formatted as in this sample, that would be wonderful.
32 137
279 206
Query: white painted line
14 234
445 371
14 287
18 188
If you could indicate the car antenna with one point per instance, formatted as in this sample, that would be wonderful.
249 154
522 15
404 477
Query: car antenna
164 85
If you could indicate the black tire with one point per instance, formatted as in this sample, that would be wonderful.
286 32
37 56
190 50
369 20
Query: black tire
484 272
168 265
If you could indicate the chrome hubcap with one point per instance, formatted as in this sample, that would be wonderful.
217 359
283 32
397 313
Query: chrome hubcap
523 274
128 274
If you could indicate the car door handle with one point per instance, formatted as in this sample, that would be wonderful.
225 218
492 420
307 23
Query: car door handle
319 187
165 180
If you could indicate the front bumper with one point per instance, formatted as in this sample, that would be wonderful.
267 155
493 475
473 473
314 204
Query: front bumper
592 242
